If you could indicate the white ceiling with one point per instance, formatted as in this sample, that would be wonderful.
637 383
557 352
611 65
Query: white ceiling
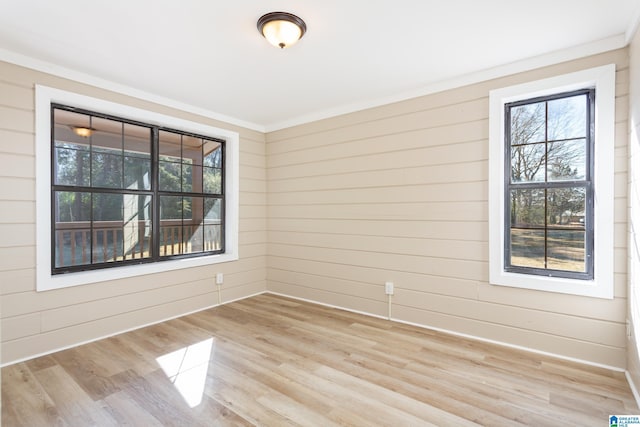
207 55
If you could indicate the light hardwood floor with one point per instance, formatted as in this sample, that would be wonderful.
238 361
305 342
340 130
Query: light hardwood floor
273 361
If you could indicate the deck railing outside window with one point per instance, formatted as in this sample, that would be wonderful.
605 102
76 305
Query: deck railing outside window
78 244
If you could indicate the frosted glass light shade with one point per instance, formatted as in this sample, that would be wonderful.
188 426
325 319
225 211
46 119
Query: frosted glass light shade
281 29
83 132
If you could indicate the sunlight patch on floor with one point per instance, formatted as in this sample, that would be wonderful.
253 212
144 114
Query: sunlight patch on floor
187 370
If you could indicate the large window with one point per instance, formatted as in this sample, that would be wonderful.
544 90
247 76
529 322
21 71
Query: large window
125 192
548 189
551 184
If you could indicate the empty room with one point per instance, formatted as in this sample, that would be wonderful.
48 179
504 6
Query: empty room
362 213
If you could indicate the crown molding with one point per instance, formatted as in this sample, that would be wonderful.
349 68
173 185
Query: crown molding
80 77
576 52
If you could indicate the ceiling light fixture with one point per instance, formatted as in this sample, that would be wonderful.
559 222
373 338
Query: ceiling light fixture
82 131
281 29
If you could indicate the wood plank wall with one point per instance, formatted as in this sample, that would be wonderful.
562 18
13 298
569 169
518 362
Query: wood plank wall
633 355
399 193
34 323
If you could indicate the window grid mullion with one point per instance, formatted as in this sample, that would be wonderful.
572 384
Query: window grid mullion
91 193
546 180
123 184
155 182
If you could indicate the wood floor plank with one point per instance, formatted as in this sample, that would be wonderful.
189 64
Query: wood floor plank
156 394
87 370
480 406
270 360
127 412
241 393
70 400
24 401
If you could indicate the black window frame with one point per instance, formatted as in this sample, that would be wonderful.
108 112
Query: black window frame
155 193
545 185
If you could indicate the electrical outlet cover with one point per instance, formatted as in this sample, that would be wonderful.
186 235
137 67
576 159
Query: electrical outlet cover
388 288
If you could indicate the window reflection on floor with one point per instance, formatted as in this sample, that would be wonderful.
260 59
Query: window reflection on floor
187 370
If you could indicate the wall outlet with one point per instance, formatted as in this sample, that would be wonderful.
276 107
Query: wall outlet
219 279
388 288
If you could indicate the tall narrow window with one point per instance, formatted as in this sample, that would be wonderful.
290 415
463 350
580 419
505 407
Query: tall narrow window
549 209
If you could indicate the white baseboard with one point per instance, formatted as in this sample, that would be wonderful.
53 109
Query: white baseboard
24 359
446 331
459 334
634 390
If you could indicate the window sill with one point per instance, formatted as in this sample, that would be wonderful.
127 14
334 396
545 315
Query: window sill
49 282
590 288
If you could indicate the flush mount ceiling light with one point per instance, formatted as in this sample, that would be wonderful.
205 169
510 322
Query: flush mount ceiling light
281 29
82 131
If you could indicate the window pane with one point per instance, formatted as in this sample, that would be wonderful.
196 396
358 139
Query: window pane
106 135
137 140
567 160
528 163
108 222
568 118
191 178
528 124
107 243
212 180
527 248
193 237
212 224
192 149
72 206
72 228
106 169
72 128
169 176
565 250
212 238
106 153
137 226
192 224
212 211
213 154
137 173
107 207
170 207
566 207
137 160
169 146
202 232
71 156
71 166
527 208
171 211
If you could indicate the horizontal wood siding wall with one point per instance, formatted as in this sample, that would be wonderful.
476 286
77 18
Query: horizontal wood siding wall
633 357
399 193
34 323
